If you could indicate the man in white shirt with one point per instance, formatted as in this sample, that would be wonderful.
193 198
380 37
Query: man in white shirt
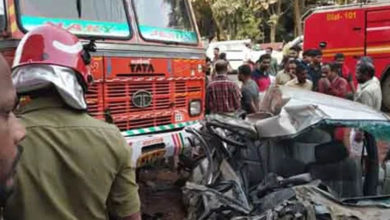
368 93
369 89
247 58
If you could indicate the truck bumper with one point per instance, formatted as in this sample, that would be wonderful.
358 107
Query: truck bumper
151 147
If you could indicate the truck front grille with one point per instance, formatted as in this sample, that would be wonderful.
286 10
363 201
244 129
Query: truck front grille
167 95
143 123
94 99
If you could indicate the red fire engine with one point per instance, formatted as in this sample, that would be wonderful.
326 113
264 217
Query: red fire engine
354 30
147 69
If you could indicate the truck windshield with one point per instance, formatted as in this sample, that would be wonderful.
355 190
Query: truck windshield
100 18
165 20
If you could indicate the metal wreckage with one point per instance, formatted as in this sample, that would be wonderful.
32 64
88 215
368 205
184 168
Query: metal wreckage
297 160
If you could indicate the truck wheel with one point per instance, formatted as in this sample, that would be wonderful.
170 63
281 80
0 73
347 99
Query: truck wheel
385 84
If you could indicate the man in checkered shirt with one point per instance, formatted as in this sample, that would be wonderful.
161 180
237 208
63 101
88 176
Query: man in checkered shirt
223 95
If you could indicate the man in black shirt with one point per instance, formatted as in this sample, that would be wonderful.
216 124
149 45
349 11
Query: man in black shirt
249 90
315 68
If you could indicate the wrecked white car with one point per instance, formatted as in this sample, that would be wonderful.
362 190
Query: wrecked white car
313 157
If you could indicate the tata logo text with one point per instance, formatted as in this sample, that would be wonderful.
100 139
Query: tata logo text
141 68
142 99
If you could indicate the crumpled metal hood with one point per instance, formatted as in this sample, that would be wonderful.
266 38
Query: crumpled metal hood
304 109
325 203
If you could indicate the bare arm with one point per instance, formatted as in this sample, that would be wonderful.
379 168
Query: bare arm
352 87
253 107
351 84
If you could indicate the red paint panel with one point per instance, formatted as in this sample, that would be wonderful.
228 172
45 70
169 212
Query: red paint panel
378 27
339 29
378 38
96 68
377 15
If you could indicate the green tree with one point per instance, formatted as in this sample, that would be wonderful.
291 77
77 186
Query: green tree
272 11
236 19
204 17
259 20
228 19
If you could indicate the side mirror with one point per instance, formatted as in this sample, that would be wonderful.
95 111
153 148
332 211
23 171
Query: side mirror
90 47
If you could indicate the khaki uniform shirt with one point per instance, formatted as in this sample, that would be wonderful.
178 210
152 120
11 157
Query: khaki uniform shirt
282 77
73 167
308 85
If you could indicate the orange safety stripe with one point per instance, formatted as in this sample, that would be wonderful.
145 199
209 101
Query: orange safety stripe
342 49
378 49
357 50
360 53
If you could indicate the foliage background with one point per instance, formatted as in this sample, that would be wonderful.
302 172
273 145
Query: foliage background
259 20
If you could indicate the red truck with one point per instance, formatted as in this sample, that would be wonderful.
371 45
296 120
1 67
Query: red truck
148 67
354 30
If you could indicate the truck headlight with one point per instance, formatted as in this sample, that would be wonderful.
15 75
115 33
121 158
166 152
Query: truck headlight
195 108
200 68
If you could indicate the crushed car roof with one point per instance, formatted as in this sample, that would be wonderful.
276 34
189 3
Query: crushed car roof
304 109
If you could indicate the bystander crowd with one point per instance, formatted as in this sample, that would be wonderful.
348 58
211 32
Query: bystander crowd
345 72
369 89
300 81
249 90
331 83
247 58
288 73
293 52
223 56
274 62
315 67
222 95
216 55
261 74
307 58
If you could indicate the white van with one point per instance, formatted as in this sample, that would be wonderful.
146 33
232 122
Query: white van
234 50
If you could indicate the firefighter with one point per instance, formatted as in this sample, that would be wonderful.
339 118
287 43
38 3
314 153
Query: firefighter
73 166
